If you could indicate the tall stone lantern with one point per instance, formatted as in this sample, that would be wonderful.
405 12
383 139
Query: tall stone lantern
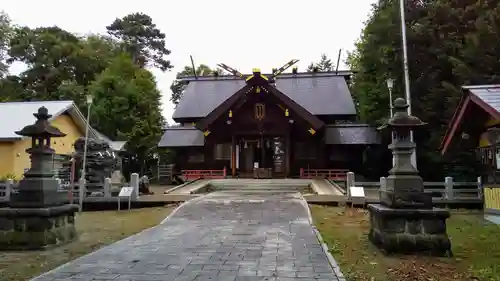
405 220
38 216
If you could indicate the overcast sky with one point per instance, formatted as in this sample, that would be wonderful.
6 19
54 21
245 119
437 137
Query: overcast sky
242 34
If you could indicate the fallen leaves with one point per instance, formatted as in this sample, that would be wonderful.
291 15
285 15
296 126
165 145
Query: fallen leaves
475 245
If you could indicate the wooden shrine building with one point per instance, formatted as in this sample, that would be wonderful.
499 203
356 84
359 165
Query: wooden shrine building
263 126
476 125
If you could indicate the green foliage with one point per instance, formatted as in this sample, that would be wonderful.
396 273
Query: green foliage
450 44
141 38
177 86
127 105
6 29
325 64
8 176
64 66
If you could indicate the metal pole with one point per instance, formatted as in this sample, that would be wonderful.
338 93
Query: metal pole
392 114
406 71
82 188
390 102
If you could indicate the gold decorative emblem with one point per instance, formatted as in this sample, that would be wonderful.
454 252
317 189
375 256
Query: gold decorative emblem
260 111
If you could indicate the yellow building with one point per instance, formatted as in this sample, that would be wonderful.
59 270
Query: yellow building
476 125
15 115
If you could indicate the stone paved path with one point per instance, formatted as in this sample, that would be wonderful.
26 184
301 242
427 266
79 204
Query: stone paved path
221 236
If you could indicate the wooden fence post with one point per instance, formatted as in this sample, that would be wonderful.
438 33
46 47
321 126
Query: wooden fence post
107 188
349 182
448 188
9 185
480 189
134 182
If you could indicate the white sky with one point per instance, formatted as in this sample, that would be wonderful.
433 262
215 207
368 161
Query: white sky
242 34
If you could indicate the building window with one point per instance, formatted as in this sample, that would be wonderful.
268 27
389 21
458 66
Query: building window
222 151
196 157
305 151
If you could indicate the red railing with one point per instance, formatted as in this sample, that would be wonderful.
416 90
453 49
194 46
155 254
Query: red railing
204 174
332 174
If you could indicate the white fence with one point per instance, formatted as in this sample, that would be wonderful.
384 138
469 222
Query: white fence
103 193
446 191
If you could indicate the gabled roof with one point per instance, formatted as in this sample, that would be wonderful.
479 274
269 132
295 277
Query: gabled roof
318 93
182 136
15 115
487 97
259 81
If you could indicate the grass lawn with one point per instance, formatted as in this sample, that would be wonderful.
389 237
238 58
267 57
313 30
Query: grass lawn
475 245
96 229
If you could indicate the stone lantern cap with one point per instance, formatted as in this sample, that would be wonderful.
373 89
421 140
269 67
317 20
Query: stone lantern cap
401 119
42 127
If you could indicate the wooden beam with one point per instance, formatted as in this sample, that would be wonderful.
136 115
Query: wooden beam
233 156
455 124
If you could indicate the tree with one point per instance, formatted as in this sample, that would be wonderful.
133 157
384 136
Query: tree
55 56
12 89
48 53
324 65
177 87
127 107
63 66
141 39
444 54
5 34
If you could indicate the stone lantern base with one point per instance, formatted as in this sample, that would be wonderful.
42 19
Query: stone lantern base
409 231
37 228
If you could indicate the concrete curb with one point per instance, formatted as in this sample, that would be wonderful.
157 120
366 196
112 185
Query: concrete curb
331 260
182 205
180 186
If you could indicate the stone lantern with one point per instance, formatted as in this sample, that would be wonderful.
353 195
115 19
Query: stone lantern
405 220
38 215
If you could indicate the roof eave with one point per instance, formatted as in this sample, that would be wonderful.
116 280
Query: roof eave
189 78
10 139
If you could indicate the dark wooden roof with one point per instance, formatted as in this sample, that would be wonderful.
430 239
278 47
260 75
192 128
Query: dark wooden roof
334 134
181 137
351 134
320 94
259 81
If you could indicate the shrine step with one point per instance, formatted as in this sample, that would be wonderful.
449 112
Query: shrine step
262 185
252 182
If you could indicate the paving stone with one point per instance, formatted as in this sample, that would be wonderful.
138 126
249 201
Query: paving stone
221 236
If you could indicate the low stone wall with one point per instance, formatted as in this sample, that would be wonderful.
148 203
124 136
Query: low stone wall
35 229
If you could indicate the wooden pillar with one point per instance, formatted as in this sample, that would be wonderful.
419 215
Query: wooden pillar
262 151
233 156
287 153
322 152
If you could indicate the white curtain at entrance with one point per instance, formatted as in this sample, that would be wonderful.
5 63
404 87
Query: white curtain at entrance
237 157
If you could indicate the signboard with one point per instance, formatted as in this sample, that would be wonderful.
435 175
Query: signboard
357 195
126 191
357 191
